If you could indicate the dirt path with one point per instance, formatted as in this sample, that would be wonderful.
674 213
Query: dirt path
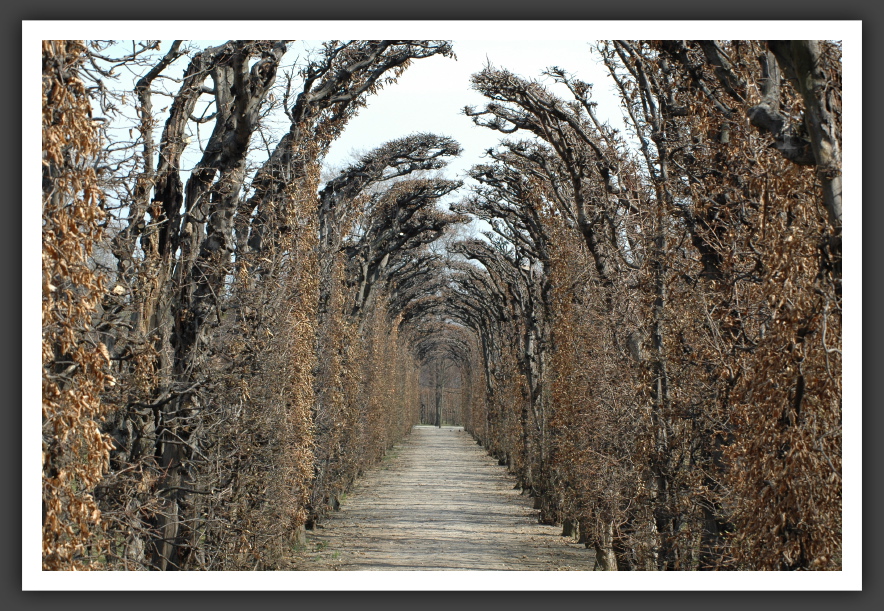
438 502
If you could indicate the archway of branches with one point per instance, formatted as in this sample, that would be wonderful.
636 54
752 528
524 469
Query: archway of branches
647 332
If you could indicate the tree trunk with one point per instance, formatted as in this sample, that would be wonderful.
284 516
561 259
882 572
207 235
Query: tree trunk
802 60
605 559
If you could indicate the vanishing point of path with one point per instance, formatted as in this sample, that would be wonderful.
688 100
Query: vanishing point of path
438 502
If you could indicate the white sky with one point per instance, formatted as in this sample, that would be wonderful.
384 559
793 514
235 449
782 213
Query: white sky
429 97
433 91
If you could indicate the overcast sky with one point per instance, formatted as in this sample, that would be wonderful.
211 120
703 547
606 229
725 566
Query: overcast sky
430 96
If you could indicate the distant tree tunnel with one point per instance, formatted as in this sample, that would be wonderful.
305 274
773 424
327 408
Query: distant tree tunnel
441 392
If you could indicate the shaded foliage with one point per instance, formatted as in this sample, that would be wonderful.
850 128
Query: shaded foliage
75 362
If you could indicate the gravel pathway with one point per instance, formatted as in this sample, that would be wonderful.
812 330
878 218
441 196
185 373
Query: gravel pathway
438 502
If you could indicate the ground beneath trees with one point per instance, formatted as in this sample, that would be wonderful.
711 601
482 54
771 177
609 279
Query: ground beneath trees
438 502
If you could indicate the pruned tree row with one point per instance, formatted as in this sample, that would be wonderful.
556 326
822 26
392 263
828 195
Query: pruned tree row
659 311
232 301
648 333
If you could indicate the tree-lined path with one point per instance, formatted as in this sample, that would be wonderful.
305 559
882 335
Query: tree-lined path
640 316
440 503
